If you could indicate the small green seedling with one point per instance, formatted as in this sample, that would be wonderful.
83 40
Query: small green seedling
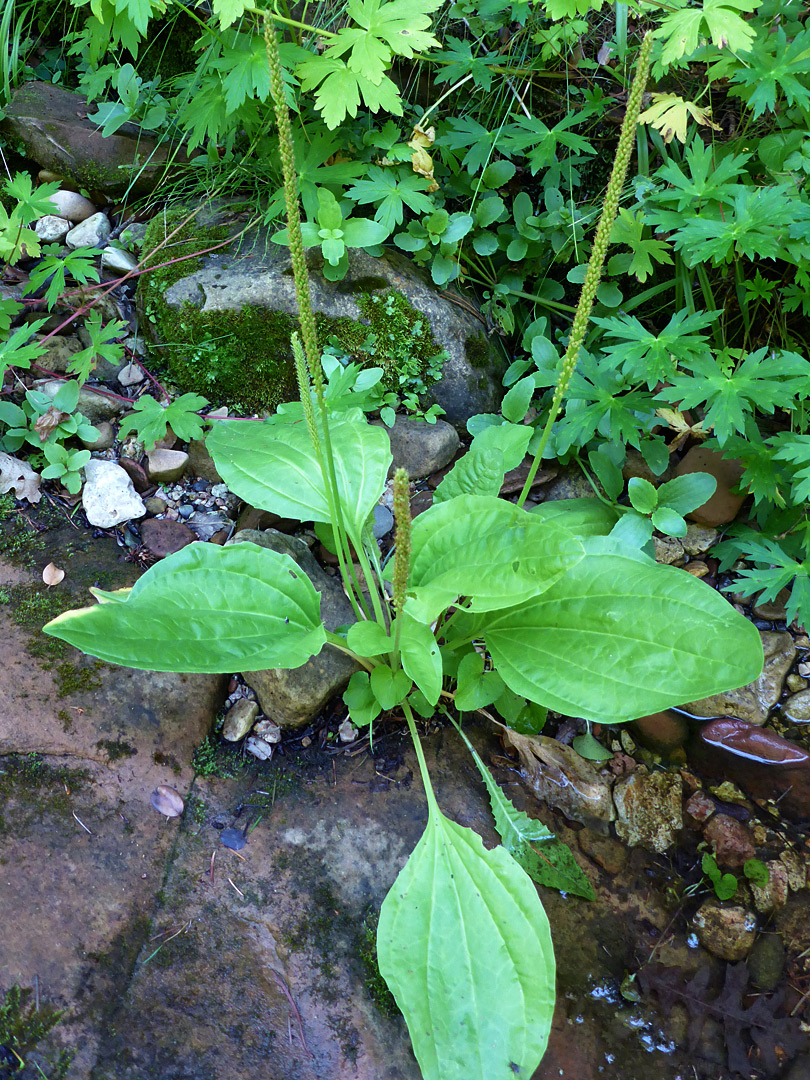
65 465
725 885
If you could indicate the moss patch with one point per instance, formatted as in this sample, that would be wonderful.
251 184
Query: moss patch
22 1027
32 789
243 357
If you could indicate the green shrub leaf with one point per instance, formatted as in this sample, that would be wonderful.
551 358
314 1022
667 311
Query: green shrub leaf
274 467
619 636
464 945
205 609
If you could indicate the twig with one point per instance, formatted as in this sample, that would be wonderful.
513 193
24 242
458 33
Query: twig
81 823
238 890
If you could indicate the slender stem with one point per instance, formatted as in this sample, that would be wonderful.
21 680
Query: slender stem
433 806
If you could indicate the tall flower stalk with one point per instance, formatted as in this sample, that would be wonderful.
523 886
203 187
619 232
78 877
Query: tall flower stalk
319 431
593 274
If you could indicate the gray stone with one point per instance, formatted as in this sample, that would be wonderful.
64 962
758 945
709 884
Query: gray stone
104 439
293 698
51 229
754 701
239 719
727 932
113 258
71 205
268 730
108 496
166 466
60 351
569 483
90 233
206 525
383 521
131 374
53 125
421 448
797 707
95 406
261 277
648 809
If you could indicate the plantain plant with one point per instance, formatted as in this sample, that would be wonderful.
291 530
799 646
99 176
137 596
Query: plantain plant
484 603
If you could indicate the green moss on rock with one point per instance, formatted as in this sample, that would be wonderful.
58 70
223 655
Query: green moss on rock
243 358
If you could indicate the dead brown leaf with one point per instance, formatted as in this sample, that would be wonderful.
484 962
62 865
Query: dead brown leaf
53 574
48 421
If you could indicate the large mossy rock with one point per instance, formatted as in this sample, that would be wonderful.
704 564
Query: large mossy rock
222 321
53 127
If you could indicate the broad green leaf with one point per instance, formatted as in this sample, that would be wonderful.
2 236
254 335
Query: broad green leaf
511 439
274 467
420 656
582 517
368 639
642 495
476 687
390 687
554 866
205 609
487 549
479 472
632 529
668 521
619 636
360 700
363 232
464 945
687 492
516 402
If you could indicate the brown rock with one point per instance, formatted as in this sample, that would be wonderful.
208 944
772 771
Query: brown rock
731 841
604 850
796 708
560 777
727 932
648 809
754 701
137 474
698 808
201 463
765 765
662 731
774 893
166 466
163 537
773 609
57 133
420 502
724 505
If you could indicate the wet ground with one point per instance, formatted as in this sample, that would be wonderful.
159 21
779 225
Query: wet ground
174 957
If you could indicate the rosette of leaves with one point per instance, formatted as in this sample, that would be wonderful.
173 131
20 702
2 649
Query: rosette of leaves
334 234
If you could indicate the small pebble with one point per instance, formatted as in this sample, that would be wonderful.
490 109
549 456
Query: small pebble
185 511
200 485
219 491
259 748
267 730
383 521
347 732
167 801
233 839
